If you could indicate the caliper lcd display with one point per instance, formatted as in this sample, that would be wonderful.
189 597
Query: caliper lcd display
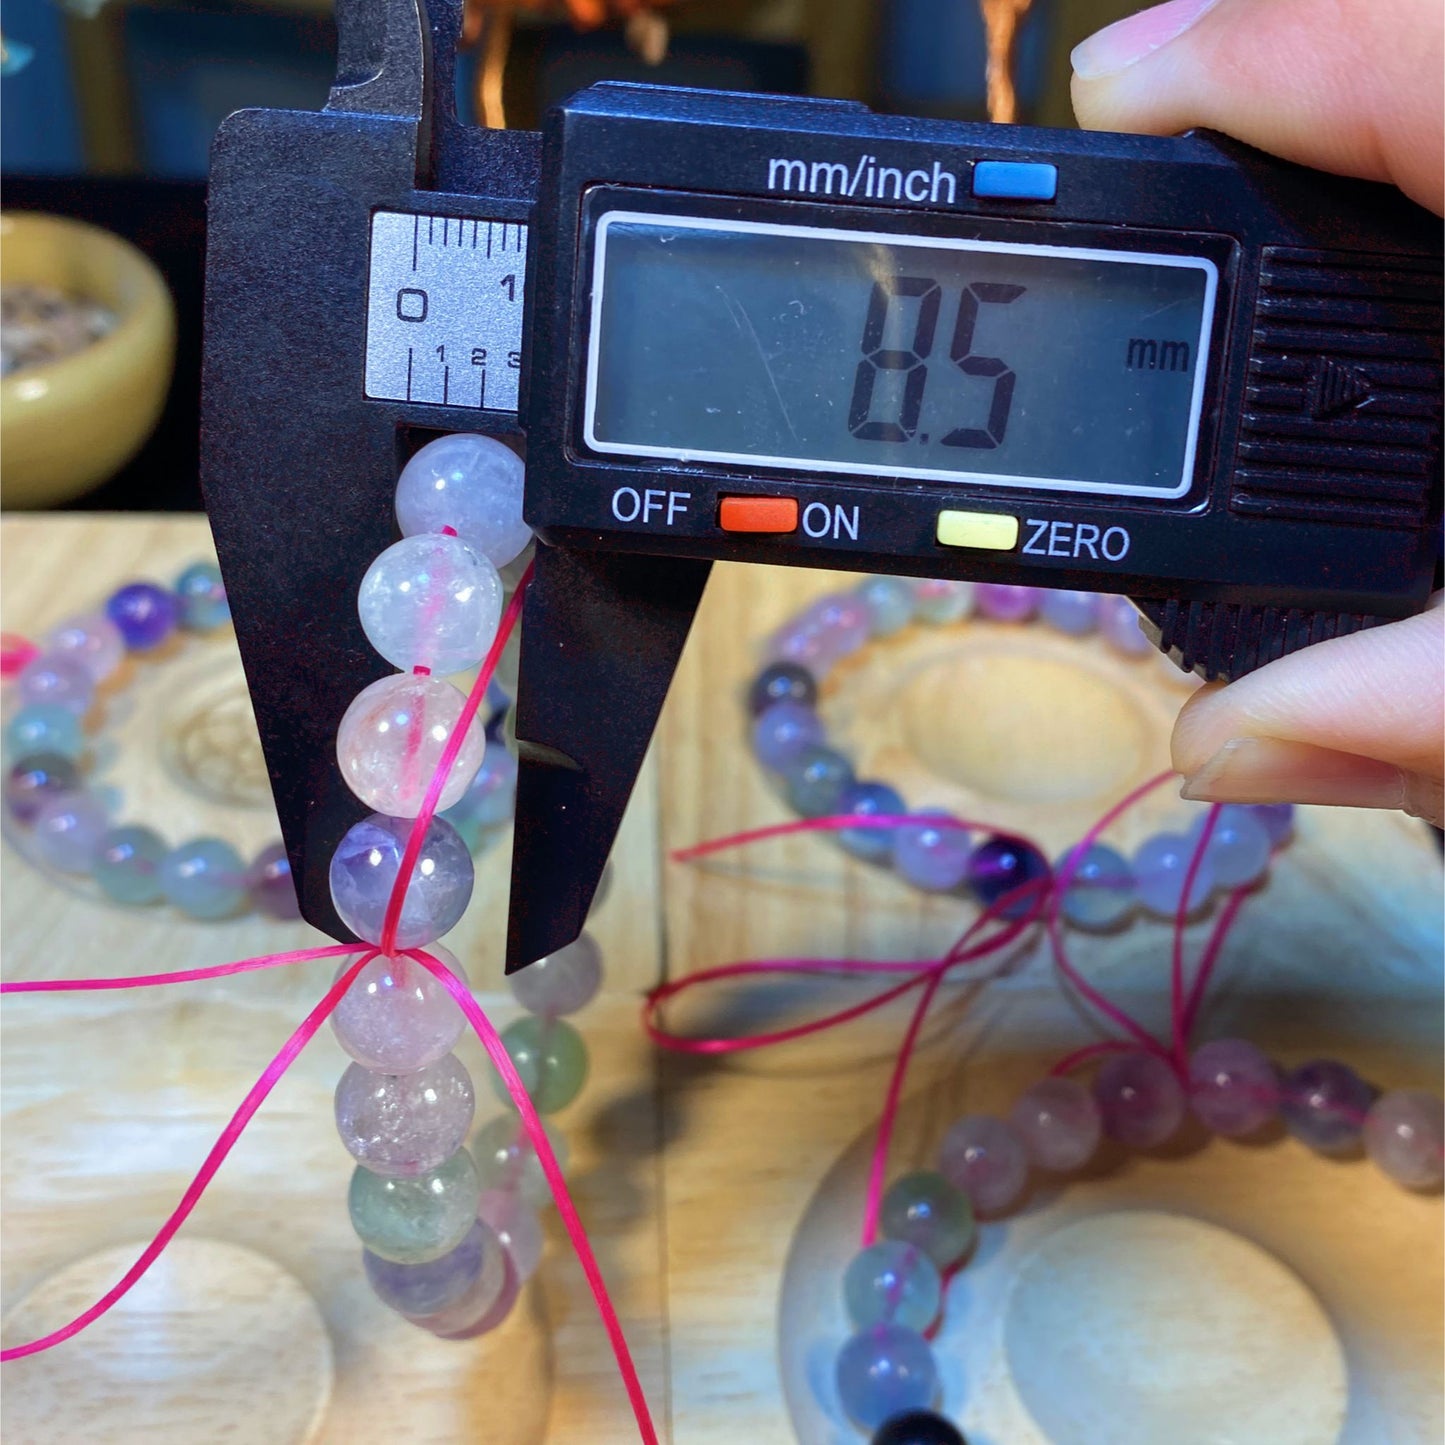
806 348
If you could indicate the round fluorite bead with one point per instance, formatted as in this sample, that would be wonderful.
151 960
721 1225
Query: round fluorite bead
364 870
392 737
1405 1134
507 1161
551 1060
517 1225
476 1301
889 601
561 983
412 1221
933 853
34 780
892 1283
146 614
67 830
1324 1104
1161 866
405 1124
423 1289
1238 849
59 680
1277 820
1233 1088
92 640
782 682
917 1427
1140 1100
986 1159
1006 604
431 601
1059 1124
490 798
472 484
127 864
870 800
1119 622
270 885
926 1211
782 732
938 601
204 878
816 780
883 1370
202 596
1004 867
462 1321
1074 613
1100 893
44 727
843 622
397 1016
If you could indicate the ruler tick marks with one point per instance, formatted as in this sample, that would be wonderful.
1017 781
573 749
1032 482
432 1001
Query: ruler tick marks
431 222
474 235
446 385
489 238
415 237
408 373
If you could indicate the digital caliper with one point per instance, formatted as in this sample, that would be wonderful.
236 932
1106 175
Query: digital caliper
766 329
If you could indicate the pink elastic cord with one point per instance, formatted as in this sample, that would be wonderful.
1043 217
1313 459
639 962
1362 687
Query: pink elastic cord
1178 1009
15 653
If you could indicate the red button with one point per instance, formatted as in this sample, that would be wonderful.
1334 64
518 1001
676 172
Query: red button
758 514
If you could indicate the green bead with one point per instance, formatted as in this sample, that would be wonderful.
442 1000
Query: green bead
550 1057
44 727
413 1221
127 864
926 1211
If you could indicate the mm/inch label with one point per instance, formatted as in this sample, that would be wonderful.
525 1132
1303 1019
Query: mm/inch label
444 311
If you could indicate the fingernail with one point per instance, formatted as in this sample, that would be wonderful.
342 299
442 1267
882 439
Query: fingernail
1269 770
1129 40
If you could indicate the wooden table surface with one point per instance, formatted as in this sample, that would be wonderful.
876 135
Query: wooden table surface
712 1189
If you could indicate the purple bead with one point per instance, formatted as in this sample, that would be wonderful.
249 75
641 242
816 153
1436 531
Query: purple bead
782 682
92 640
917 1427
1324 1104
269 882
1119 622
1278 820
985 1158
68 829
883 1371
1404 1135
782 731
1233 1088
874 845
1006 604
1076 613
146 614
933 853
1059 1123
449 1326
1239 846
58 679
34 780
1161 866
1005 866
423 1289
1140 1100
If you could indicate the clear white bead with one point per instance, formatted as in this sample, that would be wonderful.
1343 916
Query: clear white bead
472 484
431 601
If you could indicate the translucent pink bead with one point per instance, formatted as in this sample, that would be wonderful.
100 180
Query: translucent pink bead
392 737
431 601
938 601
830 629
1006 604
59 679
985 1158
1140 1100
506 1160
472 484
517 1225
402 1125
933 853
270 884
68 830
561 983
1059 1123
397 1017
1404 1135
92 640
1233 1089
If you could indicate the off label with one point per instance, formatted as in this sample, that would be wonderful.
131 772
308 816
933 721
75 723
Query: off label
444 313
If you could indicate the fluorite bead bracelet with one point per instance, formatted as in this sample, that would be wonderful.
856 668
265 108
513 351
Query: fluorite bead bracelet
68 825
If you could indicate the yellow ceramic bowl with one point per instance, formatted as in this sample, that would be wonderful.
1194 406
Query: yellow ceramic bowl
69 424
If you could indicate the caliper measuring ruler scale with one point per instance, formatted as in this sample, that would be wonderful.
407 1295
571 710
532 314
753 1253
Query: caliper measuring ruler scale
769 329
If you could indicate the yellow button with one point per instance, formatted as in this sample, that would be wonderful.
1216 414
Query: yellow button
988 531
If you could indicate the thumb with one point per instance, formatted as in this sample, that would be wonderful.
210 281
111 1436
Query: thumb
1350 86
1357 721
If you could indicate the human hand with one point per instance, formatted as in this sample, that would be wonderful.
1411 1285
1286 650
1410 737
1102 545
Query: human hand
1351 86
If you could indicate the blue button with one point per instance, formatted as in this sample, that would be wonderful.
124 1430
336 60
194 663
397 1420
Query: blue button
1015 180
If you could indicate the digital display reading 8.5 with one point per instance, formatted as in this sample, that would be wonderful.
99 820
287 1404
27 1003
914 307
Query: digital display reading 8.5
850 352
